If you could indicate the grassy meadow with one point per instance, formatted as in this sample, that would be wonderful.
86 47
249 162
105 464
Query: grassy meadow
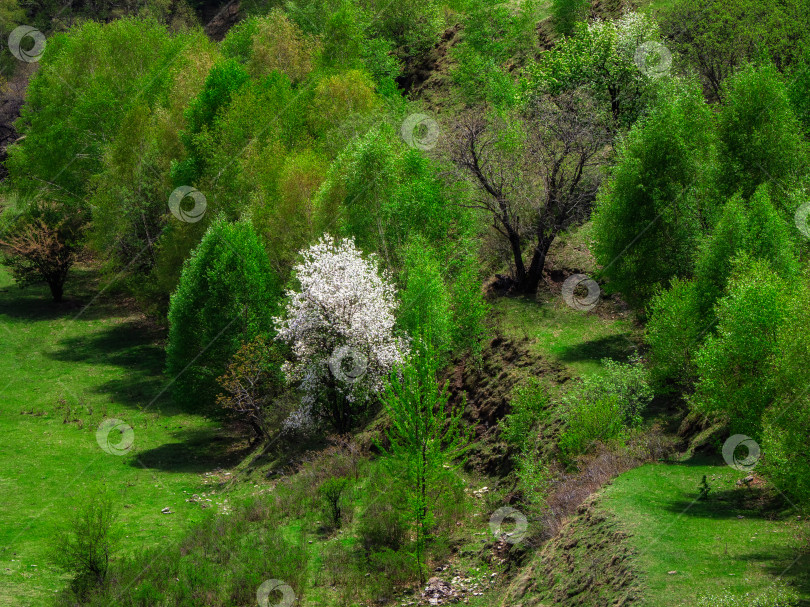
64 370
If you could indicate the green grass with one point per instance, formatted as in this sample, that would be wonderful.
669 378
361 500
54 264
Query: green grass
63 369
706 542
573 338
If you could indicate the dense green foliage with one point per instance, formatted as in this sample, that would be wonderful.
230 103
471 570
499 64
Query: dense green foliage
603 407
715 37
760 138
656 207
227 295
731 366
334 278
88 82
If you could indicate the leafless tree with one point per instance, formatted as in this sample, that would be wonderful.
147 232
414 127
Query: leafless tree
536 173
252 385
43 246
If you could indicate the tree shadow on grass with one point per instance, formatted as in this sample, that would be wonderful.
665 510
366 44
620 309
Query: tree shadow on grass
616 347
131 346
749 502
793 569
196 451
86 298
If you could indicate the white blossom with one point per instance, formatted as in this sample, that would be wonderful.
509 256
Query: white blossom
345 306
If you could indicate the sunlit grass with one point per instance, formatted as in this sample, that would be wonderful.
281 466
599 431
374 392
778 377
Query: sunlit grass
59 378
574 338
737 539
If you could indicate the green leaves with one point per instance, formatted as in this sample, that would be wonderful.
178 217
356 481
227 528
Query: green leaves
227 295
426 438
602 407
653 212
89 79
760 136
734 365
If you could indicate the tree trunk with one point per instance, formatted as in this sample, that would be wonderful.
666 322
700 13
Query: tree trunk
538 263
56 290
517 253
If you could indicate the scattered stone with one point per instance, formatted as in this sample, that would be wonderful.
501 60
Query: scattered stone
671 572
167 511
437 591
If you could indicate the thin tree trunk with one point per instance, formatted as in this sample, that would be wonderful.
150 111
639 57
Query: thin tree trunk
517 253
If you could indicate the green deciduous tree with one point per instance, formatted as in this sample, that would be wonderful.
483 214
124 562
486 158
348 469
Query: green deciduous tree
734 366
227 295
674 333
43 243
681 317
278 44
533 175
380 192
717 36
221 84
425 308
89 79
600 56
426 437
798 85
784 439
760 136
496 35
467 300
753 227
654 211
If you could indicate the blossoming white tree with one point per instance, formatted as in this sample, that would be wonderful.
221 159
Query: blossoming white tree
340 326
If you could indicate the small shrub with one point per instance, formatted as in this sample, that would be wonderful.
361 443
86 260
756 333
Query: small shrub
589 422
252 382
527 405
331 492
84 545
602 407
381 527
534 480
704 489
